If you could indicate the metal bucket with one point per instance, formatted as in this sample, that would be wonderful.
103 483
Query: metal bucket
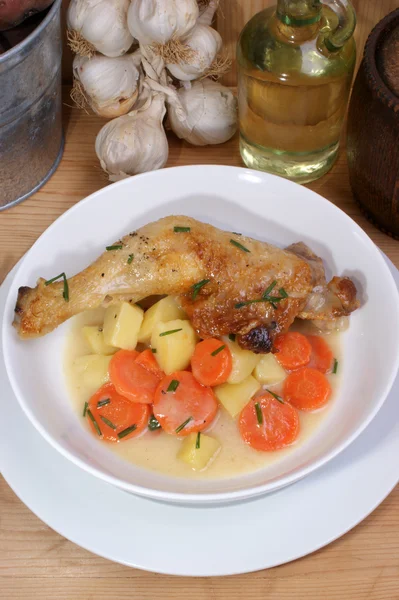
31 139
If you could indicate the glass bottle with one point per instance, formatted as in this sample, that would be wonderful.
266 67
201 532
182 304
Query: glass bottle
295 67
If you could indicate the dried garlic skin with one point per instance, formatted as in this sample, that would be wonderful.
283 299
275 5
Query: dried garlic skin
204 44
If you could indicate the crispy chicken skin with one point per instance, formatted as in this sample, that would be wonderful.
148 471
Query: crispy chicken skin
169 262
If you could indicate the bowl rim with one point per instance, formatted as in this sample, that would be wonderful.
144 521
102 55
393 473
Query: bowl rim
208 498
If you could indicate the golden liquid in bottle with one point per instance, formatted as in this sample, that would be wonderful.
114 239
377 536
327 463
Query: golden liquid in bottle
292 104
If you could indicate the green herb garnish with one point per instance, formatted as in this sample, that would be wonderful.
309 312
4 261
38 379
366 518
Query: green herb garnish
103 402
130 259
215 352
236 233
276 396
127 431
92 419
197 286
182 426
86 406
181 229
153 423
266 297
154 350
240 246
259 414
115 247
198 441
170 332
232 337
335 368
174 384
107 422
65 293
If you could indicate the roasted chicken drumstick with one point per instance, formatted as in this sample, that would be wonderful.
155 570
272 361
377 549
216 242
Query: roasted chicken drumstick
247 287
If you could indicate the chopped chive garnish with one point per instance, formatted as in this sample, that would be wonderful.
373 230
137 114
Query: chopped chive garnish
154 350
259 414
127 431
182 426
197 286
103 402
198 441
181 229
248 302
276 396
335 368
92 419
65 293
232 337
174 384
215 352
236 233
115 247
269 289
170 332
153 423
130 259
86 406
240 246
283 293
107 422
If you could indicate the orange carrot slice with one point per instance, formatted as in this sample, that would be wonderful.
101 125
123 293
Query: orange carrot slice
147 360
267 424
322 357
182 405
114 417
293 350
211 362
131 379
307 389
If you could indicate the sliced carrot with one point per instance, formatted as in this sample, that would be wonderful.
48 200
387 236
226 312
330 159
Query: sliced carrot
119 419
147 360
182 405
307 389
293 350
322 357
267 424
211 362
131 379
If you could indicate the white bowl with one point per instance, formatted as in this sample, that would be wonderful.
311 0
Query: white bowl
263 206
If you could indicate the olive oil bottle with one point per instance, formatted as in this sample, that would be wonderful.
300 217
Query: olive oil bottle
295 67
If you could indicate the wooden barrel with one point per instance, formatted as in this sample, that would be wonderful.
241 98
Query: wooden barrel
373 127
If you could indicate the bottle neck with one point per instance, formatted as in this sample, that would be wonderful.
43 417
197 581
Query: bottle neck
299 13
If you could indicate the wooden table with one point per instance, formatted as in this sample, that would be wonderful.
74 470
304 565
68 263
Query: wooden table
37 563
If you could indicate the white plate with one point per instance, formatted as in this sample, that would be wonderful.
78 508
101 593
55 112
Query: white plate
228 540
257 204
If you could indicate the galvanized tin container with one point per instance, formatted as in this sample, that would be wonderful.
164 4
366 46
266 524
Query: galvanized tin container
31 139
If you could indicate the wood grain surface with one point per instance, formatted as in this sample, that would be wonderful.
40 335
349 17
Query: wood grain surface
38 564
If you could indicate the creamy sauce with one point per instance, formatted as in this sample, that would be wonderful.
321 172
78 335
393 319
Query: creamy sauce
157 450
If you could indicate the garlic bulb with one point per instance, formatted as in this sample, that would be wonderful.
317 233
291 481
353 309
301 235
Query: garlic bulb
99 25
110 85
158 21
134 143
202 45
204 114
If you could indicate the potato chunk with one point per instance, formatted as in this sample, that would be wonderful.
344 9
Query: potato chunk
244 362
198 458
268 371
173 350
122 324
235 396
92 370
94 336
162 311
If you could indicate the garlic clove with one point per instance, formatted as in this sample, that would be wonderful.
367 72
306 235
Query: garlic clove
204 114
158 21
203 44
110 85
100 24
134 143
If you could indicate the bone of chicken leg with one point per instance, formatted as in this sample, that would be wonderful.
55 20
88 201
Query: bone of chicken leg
164 258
